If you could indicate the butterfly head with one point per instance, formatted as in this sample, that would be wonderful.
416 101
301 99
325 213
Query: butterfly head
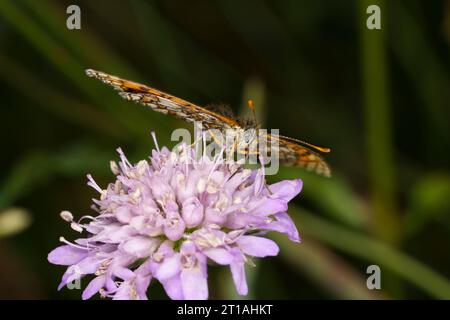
247 138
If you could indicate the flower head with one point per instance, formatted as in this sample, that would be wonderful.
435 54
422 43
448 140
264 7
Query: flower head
166 218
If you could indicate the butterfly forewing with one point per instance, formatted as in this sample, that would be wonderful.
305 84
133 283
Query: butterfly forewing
164 102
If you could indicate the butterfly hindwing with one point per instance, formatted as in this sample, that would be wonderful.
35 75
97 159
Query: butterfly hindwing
292 153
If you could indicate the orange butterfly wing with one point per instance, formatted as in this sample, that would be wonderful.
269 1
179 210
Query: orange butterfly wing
163 102
292 152
298 153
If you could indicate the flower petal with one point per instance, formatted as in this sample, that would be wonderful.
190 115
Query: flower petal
67 255
270 206
124 291
69 276
194 284
257 246
93 287
174 226
241 220
140 246
123 214
88 265
142 284
124 273
192 212
286 189
284 224
173 288
214 216
218 255
168 268
238 273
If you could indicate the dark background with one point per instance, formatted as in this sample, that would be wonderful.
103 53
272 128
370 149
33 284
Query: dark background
378 98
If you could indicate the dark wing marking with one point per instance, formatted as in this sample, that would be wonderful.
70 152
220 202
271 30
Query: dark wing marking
164 102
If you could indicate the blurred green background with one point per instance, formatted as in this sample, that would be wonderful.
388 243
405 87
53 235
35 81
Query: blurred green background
378 98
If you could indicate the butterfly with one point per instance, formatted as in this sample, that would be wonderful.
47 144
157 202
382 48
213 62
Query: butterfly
291 152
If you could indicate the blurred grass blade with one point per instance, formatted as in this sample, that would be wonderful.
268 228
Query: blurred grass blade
159 38
171 47
82 44
70 67
38 167
28 172
55 102
428 75
49 49
326 269
376 98
334 197
373 251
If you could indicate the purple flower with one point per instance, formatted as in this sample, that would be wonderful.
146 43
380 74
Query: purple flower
167 218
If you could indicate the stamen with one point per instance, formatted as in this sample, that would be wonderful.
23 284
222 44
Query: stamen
216 163
237 200
249 261
86 217
106 294
196 144
142 167
187 159
61 239
114 167
94 184
133 292
201 185
123 159
263 178
135 196
155 141
77 227
66 216
204 146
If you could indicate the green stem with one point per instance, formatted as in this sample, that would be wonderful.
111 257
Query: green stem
378 124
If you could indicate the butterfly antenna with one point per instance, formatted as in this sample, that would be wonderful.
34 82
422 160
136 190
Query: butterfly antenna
251 105
321 149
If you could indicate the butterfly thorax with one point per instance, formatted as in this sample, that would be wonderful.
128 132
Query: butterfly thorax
226 111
